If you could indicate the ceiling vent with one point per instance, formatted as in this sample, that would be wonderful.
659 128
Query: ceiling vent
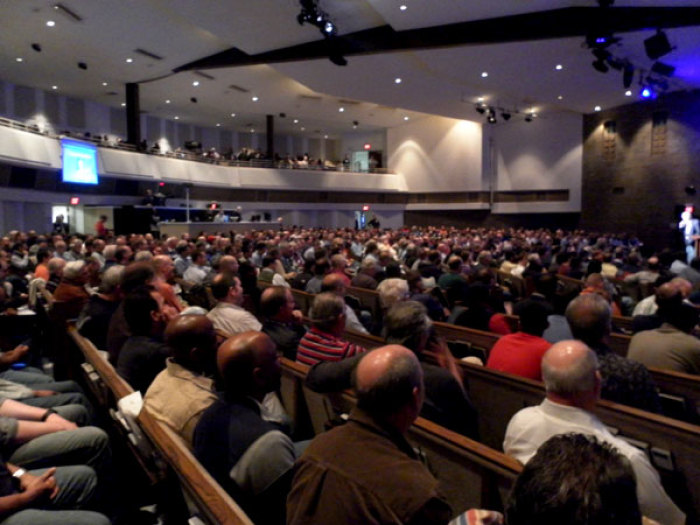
239 88
204 75
148 54
312 98
68 12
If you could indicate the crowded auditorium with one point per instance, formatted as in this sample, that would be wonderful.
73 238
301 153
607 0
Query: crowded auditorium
349 262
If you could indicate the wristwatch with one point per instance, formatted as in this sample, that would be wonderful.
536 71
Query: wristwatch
19 473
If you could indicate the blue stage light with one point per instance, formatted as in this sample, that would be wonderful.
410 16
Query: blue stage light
647 92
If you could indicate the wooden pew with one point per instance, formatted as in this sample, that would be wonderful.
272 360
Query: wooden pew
369 300
208 496
210 500
498 396
303 300
622 322
471 475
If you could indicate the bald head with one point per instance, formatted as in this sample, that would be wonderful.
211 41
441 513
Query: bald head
389 385
333 282
192 340
249 365
569 370
589 317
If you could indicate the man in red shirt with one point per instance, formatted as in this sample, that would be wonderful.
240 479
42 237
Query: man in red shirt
100 227
521 353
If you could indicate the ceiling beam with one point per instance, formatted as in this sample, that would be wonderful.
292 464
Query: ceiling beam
542 25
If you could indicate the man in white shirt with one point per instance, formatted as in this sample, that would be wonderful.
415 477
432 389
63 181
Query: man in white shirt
197 272
227 315
573 383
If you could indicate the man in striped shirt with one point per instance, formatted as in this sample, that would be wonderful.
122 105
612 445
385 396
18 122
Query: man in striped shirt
323 342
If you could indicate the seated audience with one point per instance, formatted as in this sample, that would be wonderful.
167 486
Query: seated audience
281 321
577 480
446 401
320 269
250 456
94 320
521 353
71 290
336 480
133 277
164 272
624 380
365 277
323 341
53 496
335 283
672 346
228 314
198 271
143 355
573 385
185 389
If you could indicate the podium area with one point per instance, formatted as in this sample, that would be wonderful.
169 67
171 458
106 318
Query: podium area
177 229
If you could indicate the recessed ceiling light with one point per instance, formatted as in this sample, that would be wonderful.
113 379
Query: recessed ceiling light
325 136
558 67
560 97
341 110
195 83
255 99
167 101
54 87
129 60
597 108
104 83
480 99
628 93
233 114
176 117
303 128
406 117
123 104
50 23
397 80
252 130
296 121
403 7
484 74
19 59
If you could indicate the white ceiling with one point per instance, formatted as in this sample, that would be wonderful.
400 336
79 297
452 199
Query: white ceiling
521 76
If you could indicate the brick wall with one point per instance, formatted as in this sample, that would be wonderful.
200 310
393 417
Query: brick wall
638 161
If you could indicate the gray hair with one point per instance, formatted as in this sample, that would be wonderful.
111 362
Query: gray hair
55 265
73 269
110 251
576 378
406 323
325 309
391 291
111 279
143 255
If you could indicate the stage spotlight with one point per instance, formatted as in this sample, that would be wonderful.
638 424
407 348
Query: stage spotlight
529 117
600 65
506 115
329 28
193 100
600 40
602 56
82 65
491 119
355 123
663 69
647 93
657 45
36 47
338 60
480 109
628 76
